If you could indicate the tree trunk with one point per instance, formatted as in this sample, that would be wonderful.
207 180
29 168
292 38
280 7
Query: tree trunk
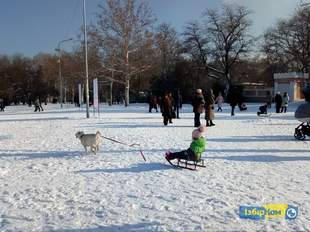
65 95
111 93
127 92
72 95
228 84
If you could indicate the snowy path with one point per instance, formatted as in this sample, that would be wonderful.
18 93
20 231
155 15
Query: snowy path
48 184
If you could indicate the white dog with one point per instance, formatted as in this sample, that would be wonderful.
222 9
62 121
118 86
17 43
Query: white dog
89 140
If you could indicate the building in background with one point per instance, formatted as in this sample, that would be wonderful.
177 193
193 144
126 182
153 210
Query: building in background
292 83
256 92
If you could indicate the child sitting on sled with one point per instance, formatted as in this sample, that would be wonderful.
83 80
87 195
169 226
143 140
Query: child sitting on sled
197 147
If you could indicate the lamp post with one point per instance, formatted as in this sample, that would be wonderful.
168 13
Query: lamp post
86 60
58 49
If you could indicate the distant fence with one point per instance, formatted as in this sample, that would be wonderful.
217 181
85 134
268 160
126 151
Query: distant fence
257 95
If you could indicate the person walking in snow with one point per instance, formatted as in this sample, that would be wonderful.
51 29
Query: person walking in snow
285 100
232 98
152 103
172 115
198 103
197 147
37 105
166 108
278 101
269 99
209 106
40 105
177 103
219 100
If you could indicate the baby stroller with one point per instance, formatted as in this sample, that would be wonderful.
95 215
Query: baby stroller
302 130
242 106
302 114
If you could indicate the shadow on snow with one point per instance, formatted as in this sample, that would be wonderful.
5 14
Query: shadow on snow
255 150
5 137
244 139
263 158
145 227
141 167
28 154
34 119
132 125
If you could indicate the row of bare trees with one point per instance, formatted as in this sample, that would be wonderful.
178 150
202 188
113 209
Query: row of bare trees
287 44
128 45
128 49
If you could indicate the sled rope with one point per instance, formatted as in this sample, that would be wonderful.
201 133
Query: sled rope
129 145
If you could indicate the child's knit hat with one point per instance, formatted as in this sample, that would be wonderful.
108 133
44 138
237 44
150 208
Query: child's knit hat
199 91
197 133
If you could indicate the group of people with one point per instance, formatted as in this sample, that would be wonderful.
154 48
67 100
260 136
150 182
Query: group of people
37 105
169 105
281 102
206 104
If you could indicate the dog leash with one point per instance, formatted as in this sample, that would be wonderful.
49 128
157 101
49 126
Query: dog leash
130 145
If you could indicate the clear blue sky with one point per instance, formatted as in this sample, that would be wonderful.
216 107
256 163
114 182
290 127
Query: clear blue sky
32 26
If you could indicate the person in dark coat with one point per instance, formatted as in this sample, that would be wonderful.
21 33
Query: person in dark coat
37 105
2 106
166 107
285 100
152 103
269 99
198 106
177 103
172 110
262 109
232 98
278 101
40 105
209 106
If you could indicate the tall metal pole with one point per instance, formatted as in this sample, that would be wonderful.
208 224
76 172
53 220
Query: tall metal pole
59 67
60 77
86 61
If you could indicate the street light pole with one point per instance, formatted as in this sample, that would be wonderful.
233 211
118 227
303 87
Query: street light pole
60 77
86 61
59 69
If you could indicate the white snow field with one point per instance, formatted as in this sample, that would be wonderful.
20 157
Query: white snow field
48 183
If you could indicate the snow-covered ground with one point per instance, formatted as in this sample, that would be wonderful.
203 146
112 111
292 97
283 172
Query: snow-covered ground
47 183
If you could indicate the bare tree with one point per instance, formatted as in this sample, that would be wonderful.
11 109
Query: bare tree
228 31
196 43
123 36
288 43
196 46
49 67
168 48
